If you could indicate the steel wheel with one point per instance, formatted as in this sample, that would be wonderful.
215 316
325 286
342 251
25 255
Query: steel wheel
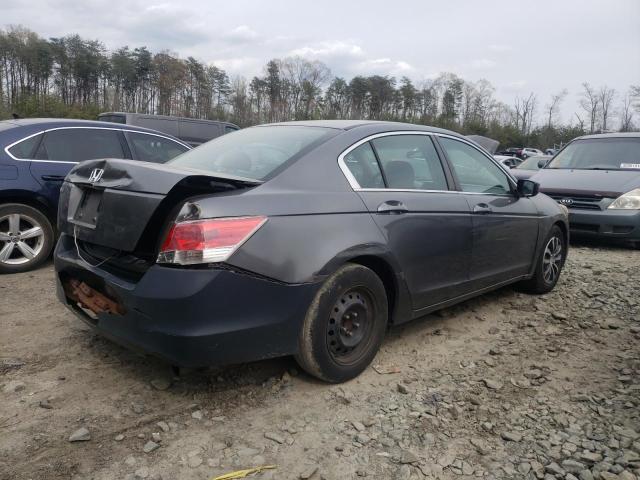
344 325
350 325
21 239
552 260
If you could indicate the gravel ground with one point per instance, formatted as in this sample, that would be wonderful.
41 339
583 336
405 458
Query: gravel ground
503 386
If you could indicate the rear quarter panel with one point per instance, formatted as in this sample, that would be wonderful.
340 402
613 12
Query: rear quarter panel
306 233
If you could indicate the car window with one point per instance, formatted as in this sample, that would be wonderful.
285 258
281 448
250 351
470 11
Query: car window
410 162
255 152
363 165
164 125
112 118
79 144
229 129
25 149
152 148
475 172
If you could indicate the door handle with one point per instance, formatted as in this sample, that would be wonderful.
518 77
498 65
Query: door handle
392 206
482 208
53 178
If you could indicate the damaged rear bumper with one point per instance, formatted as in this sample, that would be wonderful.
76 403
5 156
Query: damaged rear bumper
189 317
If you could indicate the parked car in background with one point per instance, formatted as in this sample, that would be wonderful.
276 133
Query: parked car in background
489 144
513 151
530 166
36 155
598 178
551 151
193 131
530 152
507 160
521 152
303 238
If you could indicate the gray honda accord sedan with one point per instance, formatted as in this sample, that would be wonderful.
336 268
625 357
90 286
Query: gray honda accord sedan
302 238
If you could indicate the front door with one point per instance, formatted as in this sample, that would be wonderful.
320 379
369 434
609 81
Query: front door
404 185
505 226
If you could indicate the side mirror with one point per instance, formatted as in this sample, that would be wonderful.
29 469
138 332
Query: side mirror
542 163
528 188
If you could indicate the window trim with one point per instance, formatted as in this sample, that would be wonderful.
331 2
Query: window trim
356 186
444 160
33 150
378 163
6 149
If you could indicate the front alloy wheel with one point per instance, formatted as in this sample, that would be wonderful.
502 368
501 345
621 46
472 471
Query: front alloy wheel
552 260
549 264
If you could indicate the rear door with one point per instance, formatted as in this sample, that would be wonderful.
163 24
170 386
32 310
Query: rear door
505 226
61 149
405 186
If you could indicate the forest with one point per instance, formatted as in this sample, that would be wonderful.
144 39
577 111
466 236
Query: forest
76 77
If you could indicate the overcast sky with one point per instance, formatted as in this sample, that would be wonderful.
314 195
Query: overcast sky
519 46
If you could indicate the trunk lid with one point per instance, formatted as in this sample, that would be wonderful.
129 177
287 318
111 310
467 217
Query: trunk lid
124 204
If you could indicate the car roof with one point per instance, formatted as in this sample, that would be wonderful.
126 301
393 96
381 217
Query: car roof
35 124
167 117
611 135
351 124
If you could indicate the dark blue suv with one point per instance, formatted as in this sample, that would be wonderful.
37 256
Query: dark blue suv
36 155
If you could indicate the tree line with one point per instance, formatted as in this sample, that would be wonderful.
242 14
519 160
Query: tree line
76 77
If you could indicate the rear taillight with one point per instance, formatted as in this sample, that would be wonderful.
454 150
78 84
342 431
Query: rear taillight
207 241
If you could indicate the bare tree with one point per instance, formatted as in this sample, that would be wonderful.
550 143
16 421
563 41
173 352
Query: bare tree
580 122
554 105
635 95
524 111
626 113
590 103
606 97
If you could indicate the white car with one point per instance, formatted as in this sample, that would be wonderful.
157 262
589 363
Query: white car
530 152
508 161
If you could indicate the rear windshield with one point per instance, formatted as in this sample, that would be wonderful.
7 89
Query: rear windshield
254 153
600 154
112 118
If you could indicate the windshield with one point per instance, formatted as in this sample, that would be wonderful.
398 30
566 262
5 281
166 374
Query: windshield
531 163
600 154
254 152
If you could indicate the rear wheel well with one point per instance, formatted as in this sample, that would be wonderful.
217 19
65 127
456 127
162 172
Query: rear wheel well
563 228
384 271
31 202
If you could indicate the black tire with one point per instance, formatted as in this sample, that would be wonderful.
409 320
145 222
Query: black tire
41 245
344 326
542 282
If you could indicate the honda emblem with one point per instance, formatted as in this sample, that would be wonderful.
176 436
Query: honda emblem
96 175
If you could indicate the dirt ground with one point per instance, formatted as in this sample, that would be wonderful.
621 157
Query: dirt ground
503 386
